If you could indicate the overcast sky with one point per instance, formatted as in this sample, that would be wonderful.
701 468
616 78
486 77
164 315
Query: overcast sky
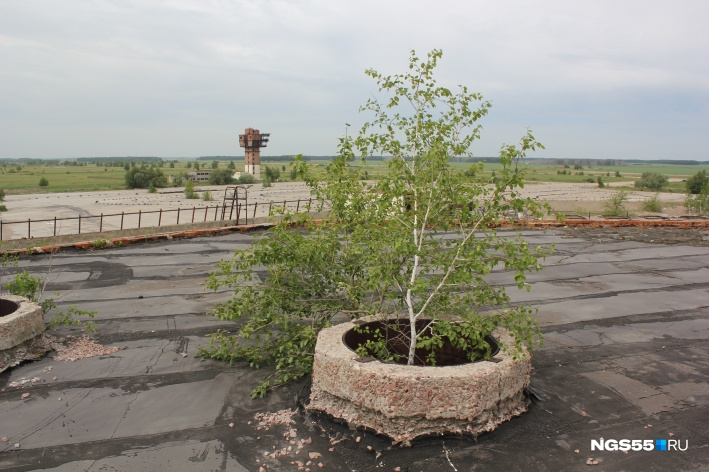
593 79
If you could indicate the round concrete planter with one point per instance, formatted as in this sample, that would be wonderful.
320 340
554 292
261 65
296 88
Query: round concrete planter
21 322
406 402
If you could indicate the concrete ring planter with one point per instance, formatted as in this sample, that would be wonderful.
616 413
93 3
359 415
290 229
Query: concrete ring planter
21 323
406 402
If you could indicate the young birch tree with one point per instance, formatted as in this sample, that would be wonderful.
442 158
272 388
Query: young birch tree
418 243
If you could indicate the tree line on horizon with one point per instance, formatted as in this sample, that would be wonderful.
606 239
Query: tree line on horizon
288 158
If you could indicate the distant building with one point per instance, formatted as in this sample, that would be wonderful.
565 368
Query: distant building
252 141
199 176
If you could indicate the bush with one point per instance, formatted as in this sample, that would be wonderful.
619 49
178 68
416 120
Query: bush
43 182
70 317
615 204
3 207
652 180
699 203
189 190
2 194
473 170
600 182
29 286
697 182
24 284
653 205
145 177
99 244
272 173
207 196
246 179
221 177
32 287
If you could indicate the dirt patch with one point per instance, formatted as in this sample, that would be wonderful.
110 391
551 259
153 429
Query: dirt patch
80 348
687 237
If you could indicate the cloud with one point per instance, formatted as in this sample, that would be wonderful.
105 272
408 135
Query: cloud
115 77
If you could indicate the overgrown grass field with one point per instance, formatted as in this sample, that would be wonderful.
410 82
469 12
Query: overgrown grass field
20 178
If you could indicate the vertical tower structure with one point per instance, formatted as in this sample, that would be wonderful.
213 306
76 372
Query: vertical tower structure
252 141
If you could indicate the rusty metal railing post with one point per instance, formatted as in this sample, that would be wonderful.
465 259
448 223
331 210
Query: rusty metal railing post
55 226
160 217
123 213
79 223
140 214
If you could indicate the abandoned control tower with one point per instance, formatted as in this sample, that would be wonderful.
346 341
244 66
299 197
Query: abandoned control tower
252 141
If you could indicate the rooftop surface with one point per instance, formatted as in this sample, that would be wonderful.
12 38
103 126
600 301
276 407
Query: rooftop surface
625 314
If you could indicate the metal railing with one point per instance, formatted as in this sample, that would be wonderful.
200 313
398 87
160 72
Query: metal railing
238 213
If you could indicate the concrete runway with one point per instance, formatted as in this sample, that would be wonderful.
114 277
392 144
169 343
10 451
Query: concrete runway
42 208
626 356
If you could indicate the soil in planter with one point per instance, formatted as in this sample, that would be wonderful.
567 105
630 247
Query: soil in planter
397 332
8 307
